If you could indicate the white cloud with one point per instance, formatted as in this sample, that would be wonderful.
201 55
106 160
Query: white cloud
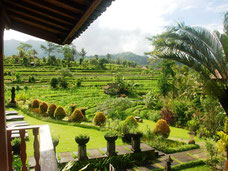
12 34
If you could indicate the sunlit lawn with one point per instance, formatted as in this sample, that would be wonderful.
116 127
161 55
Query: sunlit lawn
67 134
175 132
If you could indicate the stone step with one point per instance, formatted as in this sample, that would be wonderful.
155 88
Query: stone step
66 157
15 123
11 113
14 117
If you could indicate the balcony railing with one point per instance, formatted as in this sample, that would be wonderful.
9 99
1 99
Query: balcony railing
43 151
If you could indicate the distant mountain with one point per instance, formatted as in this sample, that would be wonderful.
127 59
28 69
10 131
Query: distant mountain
140 60
10 48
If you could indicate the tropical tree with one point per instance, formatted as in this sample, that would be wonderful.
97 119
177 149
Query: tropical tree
204 51
50 48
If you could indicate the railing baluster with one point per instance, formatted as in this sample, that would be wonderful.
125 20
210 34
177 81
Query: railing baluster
23 150
36 148
10 155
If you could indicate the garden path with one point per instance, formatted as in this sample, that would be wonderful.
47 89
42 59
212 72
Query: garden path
178 158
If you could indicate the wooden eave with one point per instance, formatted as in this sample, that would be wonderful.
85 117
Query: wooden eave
58 21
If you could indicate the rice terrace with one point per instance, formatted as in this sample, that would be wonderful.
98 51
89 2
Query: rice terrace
64 106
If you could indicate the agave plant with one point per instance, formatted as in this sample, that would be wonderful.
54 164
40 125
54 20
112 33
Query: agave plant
204 51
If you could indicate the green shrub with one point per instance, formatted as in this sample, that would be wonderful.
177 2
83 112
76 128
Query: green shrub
76 116
193 125
131 121
51 110
152 101
63 83
115 108
162 128
54 82
154 115
180 112
35 103
43 107
59 113
99 118
31 79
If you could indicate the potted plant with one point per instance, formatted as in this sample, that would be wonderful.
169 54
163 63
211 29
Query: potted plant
111 137
55 141
82 140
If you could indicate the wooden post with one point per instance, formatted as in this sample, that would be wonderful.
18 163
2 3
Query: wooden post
3 135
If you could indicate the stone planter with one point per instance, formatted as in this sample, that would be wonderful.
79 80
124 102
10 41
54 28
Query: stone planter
191 137
136 142
55 143
111 145
82 155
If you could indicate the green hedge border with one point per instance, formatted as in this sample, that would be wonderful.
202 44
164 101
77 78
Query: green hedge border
48 119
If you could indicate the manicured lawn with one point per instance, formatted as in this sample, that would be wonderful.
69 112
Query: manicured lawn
198 168
175 132
67 134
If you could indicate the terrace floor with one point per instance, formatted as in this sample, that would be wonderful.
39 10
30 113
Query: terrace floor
178 158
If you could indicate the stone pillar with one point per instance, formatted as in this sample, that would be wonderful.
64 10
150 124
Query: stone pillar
111 145
3 135
136 142
82 155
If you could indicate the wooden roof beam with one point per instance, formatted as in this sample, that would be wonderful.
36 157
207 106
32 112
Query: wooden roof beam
54 18
90 10
71 5
37 19
37 32
50 7
42 26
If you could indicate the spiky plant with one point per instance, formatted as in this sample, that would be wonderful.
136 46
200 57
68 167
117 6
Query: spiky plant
204 51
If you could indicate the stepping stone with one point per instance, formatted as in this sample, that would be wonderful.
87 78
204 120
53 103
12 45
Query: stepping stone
31 161
66 157
162 162
20 125
14 117
145 147
202 155
76 154
195 151
128 147
95 153
15 123
11 112
183 157
121 150
104 149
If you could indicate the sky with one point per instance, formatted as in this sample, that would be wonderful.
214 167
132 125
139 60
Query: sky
126 24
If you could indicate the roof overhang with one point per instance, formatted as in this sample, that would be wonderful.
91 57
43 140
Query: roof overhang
58 21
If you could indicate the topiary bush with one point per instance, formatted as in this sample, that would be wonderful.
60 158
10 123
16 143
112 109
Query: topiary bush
76 116
51 110
59 113
99 118
43 107
162 128
131 121
35 103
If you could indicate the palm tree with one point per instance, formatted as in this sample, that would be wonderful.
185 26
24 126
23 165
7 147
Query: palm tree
204 51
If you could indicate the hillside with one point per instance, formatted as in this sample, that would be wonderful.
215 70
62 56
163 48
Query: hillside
11 49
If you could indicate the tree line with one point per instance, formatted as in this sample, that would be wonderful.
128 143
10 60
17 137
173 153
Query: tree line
71 56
